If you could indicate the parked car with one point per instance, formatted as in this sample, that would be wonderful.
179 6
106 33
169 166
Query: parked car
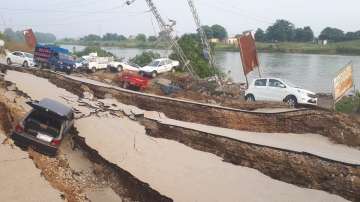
21 58
274 89
118 66
128 79
159 66
54 57
45 126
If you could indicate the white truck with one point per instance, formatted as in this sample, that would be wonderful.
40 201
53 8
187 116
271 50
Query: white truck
97 63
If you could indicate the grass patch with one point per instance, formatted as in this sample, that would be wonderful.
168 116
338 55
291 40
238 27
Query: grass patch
349 104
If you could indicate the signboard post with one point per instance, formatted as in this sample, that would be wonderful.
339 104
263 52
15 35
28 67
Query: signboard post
343 82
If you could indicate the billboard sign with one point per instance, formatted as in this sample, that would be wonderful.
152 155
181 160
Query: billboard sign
343 82
248 52
30 38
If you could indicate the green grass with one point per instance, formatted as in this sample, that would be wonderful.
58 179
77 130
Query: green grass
349 104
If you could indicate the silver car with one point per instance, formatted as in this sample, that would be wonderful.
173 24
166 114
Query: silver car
45 126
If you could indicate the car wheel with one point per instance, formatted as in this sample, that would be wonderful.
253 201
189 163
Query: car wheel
291 101
173 70
68 70
153 74
25 64
93 69
120 68
250 98
8 61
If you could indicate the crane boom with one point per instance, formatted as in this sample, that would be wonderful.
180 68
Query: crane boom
168 30
204 39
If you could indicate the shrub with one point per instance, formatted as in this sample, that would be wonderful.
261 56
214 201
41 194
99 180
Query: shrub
145 58
191 45
349 104
94 49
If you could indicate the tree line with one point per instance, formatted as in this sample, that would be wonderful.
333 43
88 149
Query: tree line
214 31
283 31
18 36
115 37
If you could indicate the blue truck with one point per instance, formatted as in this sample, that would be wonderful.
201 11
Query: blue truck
54 57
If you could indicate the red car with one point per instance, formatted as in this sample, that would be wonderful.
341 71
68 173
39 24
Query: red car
132 80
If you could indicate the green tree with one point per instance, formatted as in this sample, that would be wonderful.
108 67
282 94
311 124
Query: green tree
110 37
122 37
45 37
352 36
145 58
140 37
260 35
12 35
152 38
90 38
304 34
219 32
193 50
208 31
282 30
332 34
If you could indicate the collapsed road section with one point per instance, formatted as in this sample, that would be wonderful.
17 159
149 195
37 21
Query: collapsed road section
125 144
338 127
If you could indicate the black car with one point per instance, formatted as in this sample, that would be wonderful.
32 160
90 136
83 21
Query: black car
45 126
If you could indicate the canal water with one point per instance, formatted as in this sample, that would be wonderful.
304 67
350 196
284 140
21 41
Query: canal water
313 72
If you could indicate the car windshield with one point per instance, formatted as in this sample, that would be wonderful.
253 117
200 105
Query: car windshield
28 55
154 63
43 122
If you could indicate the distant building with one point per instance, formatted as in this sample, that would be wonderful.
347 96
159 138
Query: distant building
231 41
214 40
322 42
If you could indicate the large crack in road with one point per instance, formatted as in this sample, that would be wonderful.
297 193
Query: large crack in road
159 162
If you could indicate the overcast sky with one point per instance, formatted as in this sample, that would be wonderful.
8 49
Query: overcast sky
75 18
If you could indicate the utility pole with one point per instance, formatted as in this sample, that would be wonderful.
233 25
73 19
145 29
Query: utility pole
168 30
204 38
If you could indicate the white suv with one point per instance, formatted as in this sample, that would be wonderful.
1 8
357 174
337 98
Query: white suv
274 89
159 66
21 58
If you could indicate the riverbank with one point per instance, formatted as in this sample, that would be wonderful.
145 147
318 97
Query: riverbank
339 48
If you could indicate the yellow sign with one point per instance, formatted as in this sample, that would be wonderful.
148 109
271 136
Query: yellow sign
343 82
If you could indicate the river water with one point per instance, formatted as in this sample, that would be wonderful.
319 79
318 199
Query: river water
313 72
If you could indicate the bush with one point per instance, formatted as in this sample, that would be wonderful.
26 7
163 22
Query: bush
145 58
349 104
94 49
191 45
